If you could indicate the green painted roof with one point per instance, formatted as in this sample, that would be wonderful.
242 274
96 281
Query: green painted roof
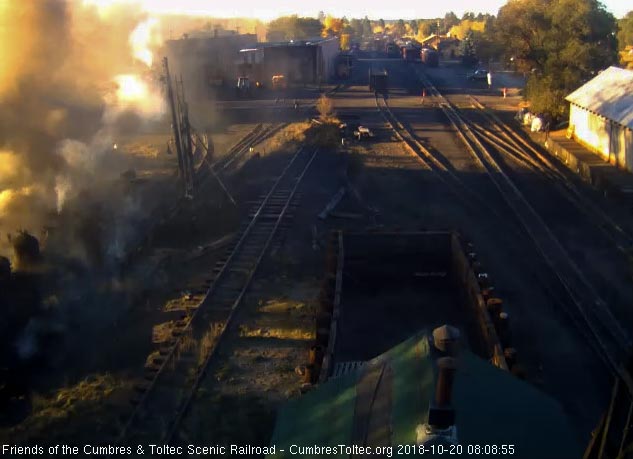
492 407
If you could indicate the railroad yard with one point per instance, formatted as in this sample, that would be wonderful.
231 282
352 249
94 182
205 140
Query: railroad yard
224 314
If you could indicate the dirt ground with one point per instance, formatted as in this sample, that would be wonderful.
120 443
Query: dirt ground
121 313
261 364
555 354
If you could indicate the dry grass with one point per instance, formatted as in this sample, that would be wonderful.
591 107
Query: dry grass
325 133
294 333
208 341
187 342
65 413
291 135
149 361
325 107
162 332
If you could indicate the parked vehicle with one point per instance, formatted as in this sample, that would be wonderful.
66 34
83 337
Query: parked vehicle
478 75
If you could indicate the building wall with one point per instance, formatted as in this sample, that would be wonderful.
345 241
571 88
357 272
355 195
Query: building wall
297 62
612 141
205 62
626 153
330 49
591 130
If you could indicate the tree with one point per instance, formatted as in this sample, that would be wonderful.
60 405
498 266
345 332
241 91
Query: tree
399 28
450 20
345 41
332 26
625 31
425 28
413 24
487 46
356 25
465 26
625 38
325 107
381 23
561 43
467 49
367 28
293 28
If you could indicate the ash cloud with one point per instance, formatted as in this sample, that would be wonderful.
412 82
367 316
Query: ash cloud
61 105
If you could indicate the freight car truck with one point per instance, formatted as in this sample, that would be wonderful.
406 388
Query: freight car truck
378 80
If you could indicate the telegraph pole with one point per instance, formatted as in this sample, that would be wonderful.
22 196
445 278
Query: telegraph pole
175 123
185 135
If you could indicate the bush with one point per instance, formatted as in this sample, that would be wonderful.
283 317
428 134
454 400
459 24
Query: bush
546 97
325 107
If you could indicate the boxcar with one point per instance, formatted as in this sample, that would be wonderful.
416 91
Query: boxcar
430 57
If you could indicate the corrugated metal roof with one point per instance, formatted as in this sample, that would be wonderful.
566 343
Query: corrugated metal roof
492 407
610 94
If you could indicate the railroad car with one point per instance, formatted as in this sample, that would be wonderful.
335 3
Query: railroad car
378 80
430 57
410 53
343 70
392 50
344 65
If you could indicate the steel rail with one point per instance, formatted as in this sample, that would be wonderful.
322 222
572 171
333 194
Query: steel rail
171 356
622 239
429 160
229 321
611 339
517 230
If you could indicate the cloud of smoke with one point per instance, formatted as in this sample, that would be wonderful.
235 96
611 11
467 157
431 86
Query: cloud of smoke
73 78
144 35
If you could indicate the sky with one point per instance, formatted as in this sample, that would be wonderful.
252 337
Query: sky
374 9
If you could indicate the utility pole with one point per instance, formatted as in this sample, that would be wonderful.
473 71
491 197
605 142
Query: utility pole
174 121
181 129
185 135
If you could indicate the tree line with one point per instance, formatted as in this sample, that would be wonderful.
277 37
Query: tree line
557 44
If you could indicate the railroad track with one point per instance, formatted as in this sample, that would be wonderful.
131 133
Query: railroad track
172 379
608 338
259 133
440 166
228 161
504 139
